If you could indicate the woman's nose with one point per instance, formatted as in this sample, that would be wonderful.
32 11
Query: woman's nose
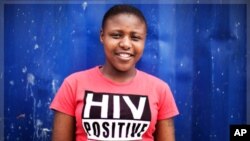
125 43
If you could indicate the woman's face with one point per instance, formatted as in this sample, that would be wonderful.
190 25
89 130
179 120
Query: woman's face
123 38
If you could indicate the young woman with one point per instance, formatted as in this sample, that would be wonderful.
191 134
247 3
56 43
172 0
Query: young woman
116 101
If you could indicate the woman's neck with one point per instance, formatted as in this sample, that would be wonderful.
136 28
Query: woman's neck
116 75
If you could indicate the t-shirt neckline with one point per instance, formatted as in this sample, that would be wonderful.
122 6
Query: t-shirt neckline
108 80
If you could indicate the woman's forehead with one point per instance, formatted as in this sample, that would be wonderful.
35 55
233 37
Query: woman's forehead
125 20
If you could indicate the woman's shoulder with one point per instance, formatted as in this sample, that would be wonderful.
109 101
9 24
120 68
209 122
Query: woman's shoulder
155 84
81 75
150 78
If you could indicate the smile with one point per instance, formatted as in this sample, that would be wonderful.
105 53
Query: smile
124 56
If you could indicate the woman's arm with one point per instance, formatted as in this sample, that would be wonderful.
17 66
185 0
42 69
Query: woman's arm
165 130
63 127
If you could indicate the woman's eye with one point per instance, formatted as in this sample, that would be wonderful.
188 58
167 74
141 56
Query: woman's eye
135 38
116 36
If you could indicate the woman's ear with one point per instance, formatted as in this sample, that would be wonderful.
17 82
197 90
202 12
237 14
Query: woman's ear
101 36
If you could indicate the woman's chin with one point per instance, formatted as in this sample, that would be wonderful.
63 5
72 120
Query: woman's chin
125 68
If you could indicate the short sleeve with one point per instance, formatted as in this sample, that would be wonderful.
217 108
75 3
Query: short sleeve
64 100
167 105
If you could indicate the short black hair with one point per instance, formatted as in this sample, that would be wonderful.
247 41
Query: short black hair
123 9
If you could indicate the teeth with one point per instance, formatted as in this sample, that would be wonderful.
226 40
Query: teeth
124 55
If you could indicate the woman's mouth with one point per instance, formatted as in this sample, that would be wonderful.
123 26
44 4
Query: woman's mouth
124 56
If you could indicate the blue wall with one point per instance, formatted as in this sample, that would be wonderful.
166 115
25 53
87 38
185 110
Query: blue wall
199 49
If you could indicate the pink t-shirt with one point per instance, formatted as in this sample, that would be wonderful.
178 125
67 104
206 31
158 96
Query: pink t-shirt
107 110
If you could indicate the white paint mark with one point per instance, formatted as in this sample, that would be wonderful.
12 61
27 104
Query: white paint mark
46 130
24 69
181 65
53 38
39 104
84 5
21 116
155 57
237 24
60 9
218 50
36 46
198 72
54 85
218 89
39 122
44 134
12 82
12 126
73 32
35 38
30 79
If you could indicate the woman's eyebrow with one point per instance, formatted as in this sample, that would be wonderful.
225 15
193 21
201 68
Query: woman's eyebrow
135 32
138 33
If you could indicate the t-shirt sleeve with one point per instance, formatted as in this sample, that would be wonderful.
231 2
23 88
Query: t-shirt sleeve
167 106
64 100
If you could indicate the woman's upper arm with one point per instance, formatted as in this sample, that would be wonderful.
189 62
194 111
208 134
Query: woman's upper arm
165 130
63 127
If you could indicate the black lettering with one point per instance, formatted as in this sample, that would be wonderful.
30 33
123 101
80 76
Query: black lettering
135 128
96 129
142 130
113 129
87 127
120 129
127 130
105 127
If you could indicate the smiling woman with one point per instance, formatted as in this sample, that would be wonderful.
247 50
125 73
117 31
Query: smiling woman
116 101
123 38
200 50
